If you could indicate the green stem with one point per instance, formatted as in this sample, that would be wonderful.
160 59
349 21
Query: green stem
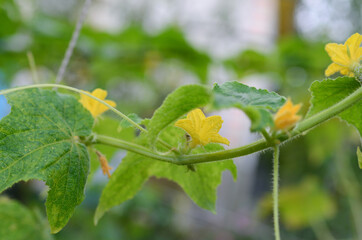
266 135
262 144
118 143
257 146
183 159
119 113
328 113
276 192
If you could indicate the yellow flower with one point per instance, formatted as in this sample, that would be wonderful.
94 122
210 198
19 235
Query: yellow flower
104 164
94 107
286 116
346 57
203 130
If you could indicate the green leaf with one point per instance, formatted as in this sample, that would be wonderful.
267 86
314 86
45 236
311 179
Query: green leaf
260 118
328 92
359 156
201 184
39 139
19 222
134 117
178 103
135 170
254 102
302 205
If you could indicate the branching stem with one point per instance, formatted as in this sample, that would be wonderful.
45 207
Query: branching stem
257 146
266 135
276 192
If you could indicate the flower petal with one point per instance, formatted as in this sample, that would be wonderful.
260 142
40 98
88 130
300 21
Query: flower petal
338 53
196 116
219 139
201 129
353 43
186 124
100 93
281 112
93 106
110 102
286 116
211 125
359 53
100 108
296 108
84 100
346 71
332 69
286 123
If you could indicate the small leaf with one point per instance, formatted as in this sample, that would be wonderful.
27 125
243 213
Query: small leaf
134 117
135 169
359 156
39 140
19 223
328 92
178 103
260 118
254 102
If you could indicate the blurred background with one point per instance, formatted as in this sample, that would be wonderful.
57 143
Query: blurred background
142 50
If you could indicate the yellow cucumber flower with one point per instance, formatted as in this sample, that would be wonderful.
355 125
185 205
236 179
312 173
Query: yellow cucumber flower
287 117
346 57
93 106
203 130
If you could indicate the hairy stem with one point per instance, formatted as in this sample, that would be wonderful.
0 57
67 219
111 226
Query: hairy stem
118 143
328 113
257 146
266 135
262 144
276 192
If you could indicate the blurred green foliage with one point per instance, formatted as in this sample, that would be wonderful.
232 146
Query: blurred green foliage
148 216
20 222
139 69
302 205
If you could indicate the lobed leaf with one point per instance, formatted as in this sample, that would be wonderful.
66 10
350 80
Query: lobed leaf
328 92
135 170
254 102
19 222
39 140
178 103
